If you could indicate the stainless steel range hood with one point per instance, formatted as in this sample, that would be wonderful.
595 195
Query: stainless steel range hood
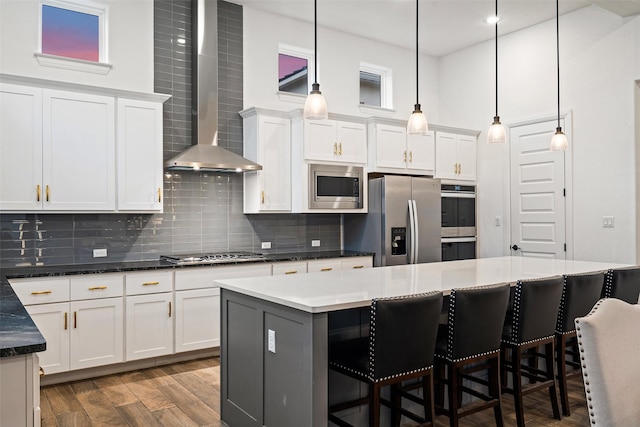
206 155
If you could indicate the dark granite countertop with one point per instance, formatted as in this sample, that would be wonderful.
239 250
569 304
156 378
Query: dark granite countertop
18 333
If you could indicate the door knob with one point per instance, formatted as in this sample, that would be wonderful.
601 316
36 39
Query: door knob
515 247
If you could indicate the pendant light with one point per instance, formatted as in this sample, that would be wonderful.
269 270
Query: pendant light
496 134
559 140
315 108
417 124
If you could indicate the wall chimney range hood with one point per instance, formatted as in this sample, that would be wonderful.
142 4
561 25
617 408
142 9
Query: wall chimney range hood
206 155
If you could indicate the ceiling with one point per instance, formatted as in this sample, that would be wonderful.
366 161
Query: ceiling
446 26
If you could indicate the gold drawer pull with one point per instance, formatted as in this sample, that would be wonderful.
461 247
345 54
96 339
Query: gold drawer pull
291 272
262 197
159 195
150 283
38 193
47 191
75 320
41 372
40 292
326 269
97 288
65 320
169 308
358 266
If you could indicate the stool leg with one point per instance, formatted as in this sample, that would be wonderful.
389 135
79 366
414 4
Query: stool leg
374 406
548 360
454 402
517 385
494 389
562 373
429 404
396 404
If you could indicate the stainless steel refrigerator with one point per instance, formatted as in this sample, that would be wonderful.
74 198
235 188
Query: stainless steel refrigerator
403 223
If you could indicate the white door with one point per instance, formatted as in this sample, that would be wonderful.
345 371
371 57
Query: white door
197 319
53 322
538 211
149 326
275 156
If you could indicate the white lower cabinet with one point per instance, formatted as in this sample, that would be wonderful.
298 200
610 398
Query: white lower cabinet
20 391
197 319
53 322
149 329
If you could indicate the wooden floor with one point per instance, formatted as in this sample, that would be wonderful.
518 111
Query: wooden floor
188 394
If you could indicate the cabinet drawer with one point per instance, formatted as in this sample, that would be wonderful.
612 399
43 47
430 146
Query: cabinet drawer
96 286
149 282
294 267
357 262
331 264
41 291
205 277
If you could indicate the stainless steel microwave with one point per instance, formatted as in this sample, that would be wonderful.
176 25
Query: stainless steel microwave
335 186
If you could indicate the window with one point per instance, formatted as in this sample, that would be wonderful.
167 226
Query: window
294 68
375 86
73 31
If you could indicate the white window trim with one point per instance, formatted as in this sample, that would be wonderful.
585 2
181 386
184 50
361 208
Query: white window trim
300 53
386 84
98 9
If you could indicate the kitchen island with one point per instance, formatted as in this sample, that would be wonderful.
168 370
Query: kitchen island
276 330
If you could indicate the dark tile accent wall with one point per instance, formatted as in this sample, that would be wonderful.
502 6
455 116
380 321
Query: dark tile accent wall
202 211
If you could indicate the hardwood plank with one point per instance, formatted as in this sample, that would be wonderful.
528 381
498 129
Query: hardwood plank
47 417
150 395
74 419
62 399
207 392
137 415
117 392
191 405
170 417
100 410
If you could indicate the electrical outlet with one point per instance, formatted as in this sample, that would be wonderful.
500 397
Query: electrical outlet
498 221
266 245
315 243
271 340
607 222
99 253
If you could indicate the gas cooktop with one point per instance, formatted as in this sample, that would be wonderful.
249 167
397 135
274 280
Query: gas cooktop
211 258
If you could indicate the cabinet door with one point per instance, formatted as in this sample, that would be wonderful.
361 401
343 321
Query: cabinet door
78 151
96 332
149 326
20 148
352 142
197 317
320 140
274 154
421 152
446 156
467 147
139 155
53 322
391 146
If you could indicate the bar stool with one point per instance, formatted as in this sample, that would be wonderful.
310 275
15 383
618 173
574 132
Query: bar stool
624 284
469 343
399 347
529 328
580 292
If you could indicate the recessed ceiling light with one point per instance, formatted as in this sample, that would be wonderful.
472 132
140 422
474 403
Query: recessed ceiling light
492 20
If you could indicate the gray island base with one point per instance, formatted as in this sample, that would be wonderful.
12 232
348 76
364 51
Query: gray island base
276 330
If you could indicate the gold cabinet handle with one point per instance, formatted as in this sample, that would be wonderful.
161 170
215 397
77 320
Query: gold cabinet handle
262 197
335 148
38 193
326 269
455 168
358 266
47 192
150 283
75 320
291 272
340 151
405 156
169 308
459 168
65 320
41 372
410 156
97 288
159 195
40 292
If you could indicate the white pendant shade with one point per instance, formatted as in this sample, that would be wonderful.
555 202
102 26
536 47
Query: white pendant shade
315 108
417 124
559 141
497 134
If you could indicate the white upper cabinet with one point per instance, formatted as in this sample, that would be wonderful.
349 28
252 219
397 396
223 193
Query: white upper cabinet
391 150
20 147
267 141
455 156
58 149
139 155
78 167
335 141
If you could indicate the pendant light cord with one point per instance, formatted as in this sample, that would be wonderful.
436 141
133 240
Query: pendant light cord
496 58
315 41
558 53
417 57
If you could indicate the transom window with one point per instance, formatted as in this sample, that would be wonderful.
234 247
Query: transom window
294 69
375 86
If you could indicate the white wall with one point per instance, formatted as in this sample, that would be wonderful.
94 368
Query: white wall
130 45
599 61
339 57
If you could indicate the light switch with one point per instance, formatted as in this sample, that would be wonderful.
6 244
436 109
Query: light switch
271 340
315 243
266 245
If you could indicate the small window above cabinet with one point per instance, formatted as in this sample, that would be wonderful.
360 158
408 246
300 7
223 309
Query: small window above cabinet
391 150
456 156
267 141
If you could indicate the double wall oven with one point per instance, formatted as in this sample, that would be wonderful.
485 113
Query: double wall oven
458 232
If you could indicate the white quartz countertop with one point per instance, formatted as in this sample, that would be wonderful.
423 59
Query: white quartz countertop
339 290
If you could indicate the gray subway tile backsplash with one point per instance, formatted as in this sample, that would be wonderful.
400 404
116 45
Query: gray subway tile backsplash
202 211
